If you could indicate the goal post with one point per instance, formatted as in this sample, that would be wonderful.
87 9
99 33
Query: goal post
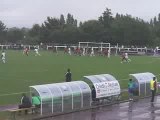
100 45
108 46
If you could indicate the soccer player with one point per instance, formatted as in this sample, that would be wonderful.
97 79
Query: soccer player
105 52
74 51
92 52
100 51
123 58
127 58
65 50
78 51
26 51
3 57
83 51
69 51
68 75
37 52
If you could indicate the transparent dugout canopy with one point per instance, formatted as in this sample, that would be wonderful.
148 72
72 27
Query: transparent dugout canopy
143 82
63 97
99 78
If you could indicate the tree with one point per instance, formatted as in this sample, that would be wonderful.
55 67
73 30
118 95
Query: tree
34 34
3 32
80 24
92 30
35 30
127 30
52 23
70 20
62 20
15 35
155 20
122 29
106 19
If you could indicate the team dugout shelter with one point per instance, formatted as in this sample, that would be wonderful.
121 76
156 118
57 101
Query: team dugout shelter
105 85
142 81
63 97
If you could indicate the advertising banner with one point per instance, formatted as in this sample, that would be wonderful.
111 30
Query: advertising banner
105 89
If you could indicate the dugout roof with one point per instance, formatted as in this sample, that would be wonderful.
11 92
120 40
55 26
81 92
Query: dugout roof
142 77
99 78
63 97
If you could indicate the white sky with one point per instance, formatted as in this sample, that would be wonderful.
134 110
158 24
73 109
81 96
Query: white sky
25 13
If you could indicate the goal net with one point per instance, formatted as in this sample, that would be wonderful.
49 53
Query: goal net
96 46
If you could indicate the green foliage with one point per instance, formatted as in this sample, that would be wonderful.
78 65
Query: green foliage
130 31
70 20
35 31
106 19
3 31
15 35
92 30
121 29
62 20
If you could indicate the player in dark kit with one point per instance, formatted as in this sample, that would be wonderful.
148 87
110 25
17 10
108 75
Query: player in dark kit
65 50
26 50
68 76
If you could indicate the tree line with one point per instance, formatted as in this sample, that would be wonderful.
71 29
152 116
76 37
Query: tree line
121 29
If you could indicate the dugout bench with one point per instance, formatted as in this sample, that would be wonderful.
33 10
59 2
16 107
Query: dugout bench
12 112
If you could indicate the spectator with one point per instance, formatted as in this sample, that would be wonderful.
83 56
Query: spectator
135 88
153 87
25 102
36 101
93 93
68 76
130 89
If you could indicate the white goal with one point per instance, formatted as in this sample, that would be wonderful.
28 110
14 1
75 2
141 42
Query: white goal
96 45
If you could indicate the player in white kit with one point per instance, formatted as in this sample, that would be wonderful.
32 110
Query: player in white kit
92 52
37 52
69 51
83 52
126 57
3 57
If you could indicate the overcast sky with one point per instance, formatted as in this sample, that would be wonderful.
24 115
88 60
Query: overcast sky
25 13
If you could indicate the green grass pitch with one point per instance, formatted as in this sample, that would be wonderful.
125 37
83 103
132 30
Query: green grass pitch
22 71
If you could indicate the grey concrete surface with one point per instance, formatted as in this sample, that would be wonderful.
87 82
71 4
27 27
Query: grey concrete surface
6 107
142 109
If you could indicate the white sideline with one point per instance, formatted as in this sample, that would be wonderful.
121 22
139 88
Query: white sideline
12 94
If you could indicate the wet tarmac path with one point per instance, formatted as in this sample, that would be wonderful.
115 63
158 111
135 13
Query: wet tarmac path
138 110
142 109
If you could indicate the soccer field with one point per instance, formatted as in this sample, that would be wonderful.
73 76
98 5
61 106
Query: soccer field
22 71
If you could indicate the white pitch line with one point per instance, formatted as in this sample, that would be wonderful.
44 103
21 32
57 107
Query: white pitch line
12 94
